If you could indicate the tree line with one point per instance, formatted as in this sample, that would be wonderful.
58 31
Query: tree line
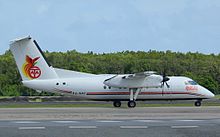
205 69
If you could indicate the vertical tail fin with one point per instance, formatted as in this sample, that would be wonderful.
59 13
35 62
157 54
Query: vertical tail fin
30 60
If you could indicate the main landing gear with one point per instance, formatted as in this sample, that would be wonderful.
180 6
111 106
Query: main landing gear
198 103
117 104
131 104
134 92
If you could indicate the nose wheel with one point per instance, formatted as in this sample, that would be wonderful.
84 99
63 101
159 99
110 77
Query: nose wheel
198 103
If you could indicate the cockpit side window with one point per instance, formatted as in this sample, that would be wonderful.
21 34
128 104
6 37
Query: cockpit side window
191 82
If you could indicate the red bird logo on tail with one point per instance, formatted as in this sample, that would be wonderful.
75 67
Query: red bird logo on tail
30 69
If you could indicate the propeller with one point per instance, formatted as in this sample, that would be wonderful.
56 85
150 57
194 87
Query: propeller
164 80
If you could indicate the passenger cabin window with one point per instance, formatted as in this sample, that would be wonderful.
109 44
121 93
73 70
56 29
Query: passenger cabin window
191 82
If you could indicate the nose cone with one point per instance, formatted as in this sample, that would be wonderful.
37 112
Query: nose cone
207 93
210 95
213 95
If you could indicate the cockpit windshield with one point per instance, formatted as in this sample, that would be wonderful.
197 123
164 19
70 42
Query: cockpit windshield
191 82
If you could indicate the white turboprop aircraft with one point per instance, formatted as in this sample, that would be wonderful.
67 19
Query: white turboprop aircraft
38 74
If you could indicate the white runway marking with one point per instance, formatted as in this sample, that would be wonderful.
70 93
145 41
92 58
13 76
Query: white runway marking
26 122
30 128
177 127
63 122
189 120
133 127
148 121
82 127
109 121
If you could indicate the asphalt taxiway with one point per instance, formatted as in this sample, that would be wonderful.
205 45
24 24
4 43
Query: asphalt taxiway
92 113
110 128
109 122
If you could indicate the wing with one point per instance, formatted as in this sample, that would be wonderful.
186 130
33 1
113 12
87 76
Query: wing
140 75
146 79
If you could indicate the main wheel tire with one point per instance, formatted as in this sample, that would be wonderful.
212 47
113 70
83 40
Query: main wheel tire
198 103
131 104
117 104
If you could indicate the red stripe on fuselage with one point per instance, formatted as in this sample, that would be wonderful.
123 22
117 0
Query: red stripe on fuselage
142 93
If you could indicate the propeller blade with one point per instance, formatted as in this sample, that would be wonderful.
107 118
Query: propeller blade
165 79
167 85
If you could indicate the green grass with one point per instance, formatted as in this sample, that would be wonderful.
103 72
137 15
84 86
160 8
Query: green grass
177 105
217 96
52 105
2 97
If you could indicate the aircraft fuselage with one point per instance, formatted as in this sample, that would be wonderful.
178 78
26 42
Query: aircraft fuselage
94 89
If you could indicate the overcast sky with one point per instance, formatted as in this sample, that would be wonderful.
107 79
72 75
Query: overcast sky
113 25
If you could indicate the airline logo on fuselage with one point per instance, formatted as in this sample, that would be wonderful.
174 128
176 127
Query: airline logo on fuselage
191 88
30 68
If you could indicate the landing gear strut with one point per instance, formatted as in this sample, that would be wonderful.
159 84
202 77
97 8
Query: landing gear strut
117 104
198 103
134 92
